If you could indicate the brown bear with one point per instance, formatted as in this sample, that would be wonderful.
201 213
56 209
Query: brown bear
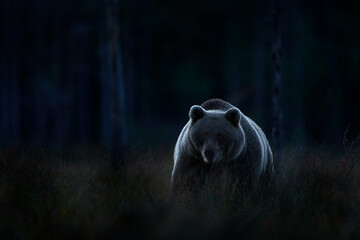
217 136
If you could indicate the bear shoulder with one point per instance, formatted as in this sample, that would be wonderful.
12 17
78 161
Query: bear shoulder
216 104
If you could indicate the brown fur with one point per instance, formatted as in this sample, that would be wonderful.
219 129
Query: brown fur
246 151
216 103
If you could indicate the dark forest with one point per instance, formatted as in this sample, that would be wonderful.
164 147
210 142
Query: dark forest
93 95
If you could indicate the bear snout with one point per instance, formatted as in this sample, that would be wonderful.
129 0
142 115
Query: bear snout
209 155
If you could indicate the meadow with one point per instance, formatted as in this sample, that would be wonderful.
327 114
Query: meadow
77 194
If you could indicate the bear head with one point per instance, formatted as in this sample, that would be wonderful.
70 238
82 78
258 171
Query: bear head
216 135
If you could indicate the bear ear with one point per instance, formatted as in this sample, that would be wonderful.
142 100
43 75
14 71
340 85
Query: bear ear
196 112
233 116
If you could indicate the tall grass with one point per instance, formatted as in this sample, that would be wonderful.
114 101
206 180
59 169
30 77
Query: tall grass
44 194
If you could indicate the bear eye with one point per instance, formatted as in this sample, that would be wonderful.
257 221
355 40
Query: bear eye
199 140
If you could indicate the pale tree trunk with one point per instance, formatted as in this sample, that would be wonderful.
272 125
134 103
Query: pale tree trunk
277 58
116 77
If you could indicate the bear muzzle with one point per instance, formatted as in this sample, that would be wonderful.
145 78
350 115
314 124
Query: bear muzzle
209 156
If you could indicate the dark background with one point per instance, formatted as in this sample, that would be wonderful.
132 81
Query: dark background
56 87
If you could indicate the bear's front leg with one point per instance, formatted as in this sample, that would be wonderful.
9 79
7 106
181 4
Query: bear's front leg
185 181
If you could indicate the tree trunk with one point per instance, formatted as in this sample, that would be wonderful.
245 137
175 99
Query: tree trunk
105 89
297 114
13 79
130 24
334 126
4 71
146 97
276 58
40 107
258 69
116 76
58 119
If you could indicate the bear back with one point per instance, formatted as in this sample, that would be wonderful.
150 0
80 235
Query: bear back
216 104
